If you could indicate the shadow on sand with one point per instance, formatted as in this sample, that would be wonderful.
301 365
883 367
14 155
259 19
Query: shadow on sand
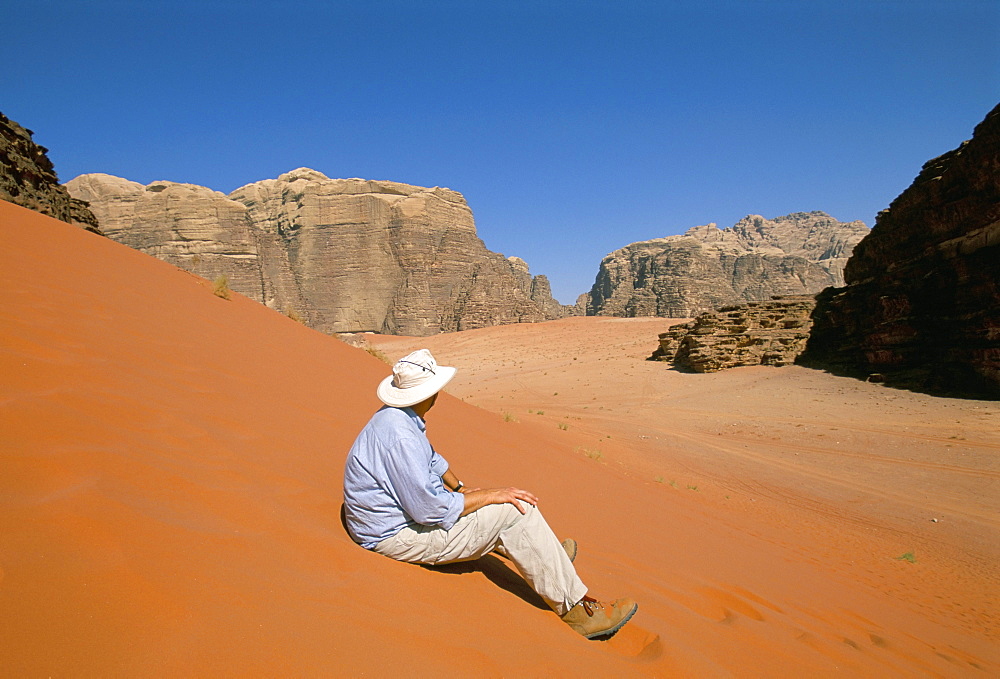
496 571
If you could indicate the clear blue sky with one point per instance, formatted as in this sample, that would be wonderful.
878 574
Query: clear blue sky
573 128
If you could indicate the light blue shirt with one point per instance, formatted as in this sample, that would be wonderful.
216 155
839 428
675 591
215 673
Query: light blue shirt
392 479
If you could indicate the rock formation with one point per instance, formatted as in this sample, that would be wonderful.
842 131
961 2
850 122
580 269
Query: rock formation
922 302
28 179
757 333
347 255
708 267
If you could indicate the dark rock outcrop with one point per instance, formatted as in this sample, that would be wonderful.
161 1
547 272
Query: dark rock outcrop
28 178
757 333
922 302
345 255
708 267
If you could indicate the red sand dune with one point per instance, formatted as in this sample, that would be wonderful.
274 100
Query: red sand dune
170 495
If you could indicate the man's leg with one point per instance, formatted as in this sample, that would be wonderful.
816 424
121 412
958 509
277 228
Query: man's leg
541 559
526 538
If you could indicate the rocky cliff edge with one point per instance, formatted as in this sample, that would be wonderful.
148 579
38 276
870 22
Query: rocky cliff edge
922 304
28 178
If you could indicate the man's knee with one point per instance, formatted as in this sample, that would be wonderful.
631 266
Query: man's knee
524 514
506 514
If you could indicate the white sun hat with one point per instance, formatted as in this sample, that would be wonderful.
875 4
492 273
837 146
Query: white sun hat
415 378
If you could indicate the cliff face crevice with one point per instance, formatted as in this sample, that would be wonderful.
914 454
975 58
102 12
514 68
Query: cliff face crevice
347 255
28 179
708 267
922 302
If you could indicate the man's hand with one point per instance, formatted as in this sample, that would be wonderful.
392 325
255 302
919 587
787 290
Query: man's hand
477 499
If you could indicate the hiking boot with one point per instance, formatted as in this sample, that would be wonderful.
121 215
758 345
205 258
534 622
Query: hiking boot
593 618
569 544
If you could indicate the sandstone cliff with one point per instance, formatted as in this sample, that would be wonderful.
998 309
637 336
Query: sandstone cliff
28 179
708 267
347 255
922 302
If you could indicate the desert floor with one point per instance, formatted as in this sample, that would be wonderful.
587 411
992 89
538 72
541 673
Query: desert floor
172 467
894 490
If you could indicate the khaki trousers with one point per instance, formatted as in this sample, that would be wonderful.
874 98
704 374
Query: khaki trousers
525 539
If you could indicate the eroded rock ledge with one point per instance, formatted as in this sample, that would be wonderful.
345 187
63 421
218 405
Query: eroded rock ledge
757 333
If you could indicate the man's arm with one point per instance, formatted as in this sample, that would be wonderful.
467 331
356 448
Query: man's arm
477 499
451 482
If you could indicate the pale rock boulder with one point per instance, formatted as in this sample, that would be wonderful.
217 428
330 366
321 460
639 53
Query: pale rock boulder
388 257
192 227
347 255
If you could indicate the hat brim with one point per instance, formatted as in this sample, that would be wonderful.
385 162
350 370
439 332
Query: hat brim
403 398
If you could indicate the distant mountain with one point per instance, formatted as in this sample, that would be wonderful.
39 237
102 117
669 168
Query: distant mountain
344 255
708 267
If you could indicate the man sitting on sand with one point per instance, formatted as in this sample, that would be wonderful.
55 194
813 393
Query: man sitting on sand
402 500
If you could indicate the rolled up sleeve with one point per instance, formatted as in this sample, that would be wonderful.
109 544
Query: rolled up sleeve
439 465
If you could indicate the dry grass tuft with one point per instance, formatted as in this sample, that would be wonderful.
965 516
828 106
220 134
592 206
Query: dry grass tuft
220 288
379 354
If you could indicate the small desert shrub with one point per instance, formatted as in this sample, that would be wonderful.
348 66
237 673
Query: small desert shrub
379 354
295 315
907 557
509 417
221 287
658 479
540 412
563 426
592 454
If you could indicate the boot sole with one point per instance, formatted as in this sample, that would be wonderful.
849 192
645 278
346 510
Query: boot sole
609 632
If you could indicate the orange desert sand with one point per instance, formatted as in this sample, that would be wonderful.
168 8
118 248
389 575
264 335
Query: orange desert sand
170 496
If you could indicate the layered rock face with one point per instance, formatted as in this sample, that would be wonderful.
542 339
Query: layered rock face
347 255
708 267
922 302
758 333
28 178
